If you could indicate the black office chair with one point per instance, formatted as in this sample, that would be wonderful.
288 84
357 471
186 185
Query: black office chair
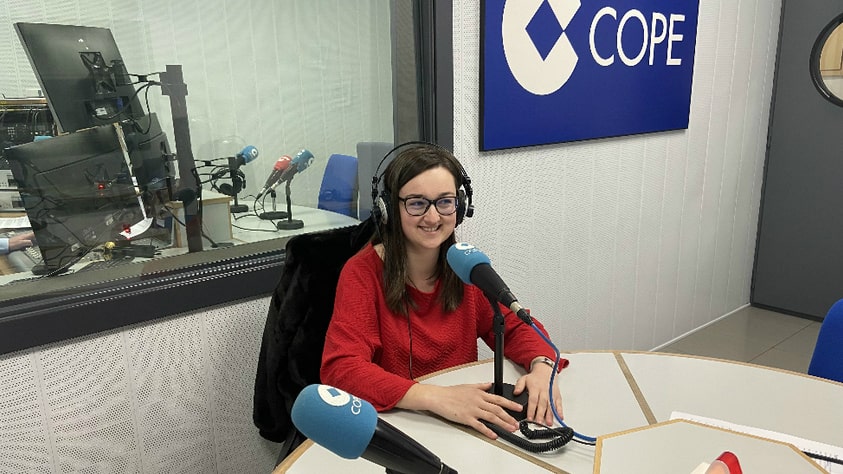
302 304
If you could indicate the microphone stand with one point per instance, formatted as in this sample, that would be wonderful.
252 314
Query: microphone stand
290 223
273 214
498 387
236 185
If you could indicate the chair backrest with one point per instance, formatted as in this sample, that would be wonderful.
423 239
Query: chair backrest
827 361
338 192
301 308
369 155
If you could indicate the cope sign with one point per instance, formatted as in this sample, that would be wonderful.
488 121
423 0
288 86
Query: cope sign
556 71
661 28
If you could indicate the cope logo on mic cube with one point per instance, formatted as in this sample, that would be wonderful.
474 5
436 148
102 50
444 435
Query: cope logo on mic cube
338 398
465 247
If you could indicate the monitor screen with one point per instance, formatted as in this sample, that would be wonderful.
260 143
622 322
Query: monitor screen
78 193
81 73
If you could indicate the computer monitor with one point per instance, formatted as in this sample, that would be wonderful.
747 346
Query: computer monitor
78 193
84 79
81 73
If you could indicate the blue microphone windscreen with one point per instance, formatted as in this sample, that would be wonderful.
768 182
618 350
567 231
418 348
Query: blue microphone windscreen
248 153
463 257
335 420
303 159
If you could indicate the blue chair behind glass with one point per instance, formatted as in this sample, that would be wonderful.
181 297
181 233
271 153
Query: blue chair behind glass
827 361
338 192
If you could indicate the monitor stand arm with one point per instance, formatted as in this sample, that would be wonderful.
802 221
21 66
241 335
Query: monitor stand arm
173 86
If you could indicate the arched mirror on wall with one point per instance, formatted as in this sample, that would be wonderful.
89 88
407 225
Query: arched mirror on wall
827 61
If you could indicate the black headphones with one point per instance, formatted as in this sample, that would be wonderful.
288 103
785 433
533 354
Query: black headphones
230 189
380 200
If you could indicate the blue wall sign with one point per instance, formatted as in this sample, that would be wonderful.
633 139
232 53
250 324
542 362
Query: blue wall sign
560 70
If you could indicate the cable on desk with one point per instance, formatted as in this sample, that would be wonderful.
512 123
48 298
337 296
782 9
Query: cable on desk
559 437
587 439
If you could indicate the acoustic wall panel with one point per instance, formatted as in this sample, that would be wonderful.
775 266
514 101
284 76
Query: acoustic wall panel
24 439
630 242
170 396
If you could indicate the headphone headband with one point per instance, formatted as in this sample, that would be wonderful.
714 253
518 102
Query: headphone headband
379 204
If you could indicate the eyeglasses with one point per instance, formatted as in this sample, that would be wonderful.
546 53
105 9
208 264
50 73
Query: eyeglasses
418 206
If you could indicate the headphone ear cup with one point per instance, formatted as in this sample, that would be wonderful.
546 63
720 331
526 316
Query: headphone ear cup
380 210
226 189
461 206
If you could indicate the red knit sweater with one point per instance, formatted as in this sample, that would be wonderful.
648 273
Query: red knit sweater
367 347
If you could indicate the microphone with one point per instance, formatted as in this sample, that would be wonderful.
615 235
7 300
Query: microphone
349 427
301 162
475 268
277 169
244 156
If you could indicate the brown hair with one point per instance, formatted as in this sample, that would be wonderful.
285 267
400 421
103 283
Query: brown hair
407 165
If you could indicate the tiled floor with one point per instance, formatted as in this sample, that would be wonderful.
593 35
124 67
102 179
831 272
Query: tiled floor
754 335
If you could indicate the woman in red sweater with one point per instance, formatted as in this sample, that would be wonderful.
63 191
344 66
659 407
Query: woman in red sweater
401 312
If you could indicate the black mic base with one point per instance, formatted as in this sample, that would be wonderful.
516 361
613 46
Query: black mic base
289 224
521 399
239 208
273 215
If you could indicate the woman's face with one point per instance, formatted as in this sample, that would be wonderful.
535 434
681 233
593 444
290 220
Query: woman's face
429 230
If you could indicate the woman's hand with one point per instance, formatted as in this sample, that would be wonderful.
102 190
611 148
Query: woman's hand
538 404
465 404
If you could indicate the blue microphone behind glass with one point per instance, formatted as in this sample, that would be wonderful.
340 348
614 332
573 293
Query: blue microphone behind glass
238 179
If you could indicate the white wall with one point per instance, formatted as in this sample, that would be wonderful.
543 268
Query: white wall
627 243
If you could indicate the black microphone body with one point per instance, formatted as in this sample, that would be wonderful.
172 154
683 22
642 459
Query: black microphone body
277 170
286 175
283 177
474 268
273 177
400 454
485 277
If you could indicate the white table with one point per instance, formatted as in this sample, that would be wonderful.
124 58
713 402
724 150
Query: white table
605 393
247 227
